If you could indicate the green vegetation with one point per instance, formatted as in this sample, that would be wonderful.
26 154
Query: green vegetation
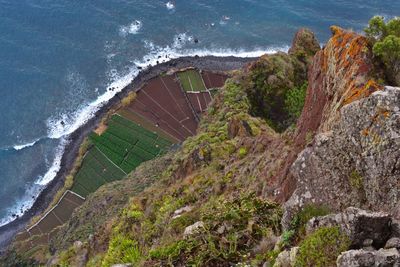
95 171
321 248
191 80
231 229
294 101
242 152
127 144
275 86
385 37
117 151
356 180
297 230
121 249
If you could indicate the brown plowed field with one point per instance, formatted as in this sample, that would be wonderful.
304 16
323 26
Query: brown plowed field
213 80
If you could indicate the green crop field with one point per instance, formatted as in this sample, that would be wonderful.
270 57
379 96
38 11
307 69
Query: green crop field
116 152
191 80
96 170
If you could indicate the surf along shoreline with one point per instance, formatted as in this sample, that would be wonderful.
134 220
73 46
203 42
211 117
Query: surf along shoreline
75 139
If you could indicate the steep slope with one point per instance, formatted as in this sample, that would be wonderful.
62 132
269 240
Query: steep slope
221 198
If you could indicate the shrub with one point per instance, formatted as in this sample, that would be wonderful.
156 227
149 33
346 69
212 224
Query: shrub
298 224
128 99
356 180
294 101
269 84
385 37
321 248
242 152
121 249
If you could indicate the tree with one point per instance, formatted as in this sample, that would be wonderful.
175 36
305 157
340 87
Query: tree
385 37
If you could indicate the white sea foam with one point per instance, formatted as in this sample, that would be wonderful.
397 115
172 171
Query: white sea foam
132 28
22 146
170 5
33 191
55 166
59 127
22 205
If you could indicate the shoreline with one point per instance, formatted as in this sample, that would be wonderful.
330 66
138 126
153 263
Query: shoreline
212 63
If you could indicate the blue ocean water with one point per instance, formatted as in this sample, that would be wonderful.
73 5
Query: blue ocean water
58 57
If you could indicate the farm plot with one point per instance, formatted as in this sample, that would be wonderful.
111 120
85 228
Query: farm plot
120 149
143 122
163 103
191 81
58 215
95 171
213 80
199 101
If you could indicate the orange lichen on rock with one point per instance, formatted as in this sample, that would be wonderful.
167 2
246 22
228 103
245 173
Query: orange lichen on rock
342 72
362 91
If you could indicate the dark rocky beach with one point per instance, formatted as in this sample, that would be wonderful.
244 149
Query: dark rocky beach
8 231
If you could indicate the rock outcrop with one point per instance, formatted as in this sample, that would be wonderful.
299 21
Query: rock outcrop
341 73
364 258
359 225
357 162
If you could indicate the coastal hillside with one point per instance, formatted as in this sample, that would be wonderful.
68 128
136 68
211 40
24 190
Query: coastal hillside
293 161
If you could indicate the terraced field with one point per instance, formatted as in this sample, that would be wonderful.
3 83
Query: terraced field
116 152
165 112
192 81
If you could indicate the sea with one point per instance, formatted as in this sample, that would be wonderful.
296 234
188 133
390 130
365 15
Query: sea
58 58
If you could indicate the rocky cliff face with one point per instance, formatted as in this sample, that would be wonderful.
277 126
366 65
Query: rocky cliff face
354 158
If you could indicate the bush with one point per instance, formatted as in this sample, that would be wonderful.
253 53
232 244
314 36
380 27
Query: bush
268 86
294 101
128 99
242 152
385 37
121 249
321 248
298 224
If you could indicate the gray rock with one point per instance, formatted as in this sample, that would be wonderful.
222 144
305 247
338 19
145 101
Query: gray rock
355 161
178 213
122 265
283 259
393 242
287 258
359 225
363 258
193 229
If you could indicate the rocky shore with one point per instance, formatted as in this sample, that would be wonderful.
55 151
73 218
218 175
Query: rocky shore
8 231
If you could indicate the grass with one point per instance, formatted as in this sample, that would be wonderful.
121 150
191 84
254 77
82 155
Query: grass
191 80
321 248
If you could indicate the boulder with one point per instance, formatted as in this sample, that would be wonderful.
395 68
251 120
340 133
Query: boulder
283 259
363 258
286 258
193 229
362 227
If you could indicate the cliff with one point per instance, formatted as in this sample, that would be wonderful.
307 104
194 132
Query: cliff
254 186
